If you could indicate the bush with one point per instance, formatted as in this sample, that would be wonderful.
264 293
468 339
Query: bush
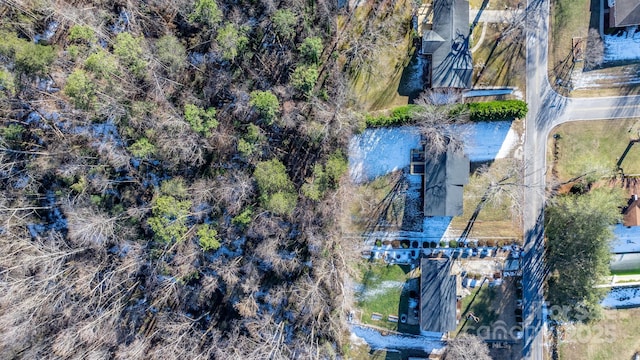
281 203
316 186
401 115
208 238
271 177
102 64
169 218
243 219
336 167
497 110
311 49
266 103
82 33
7 83
29 58
171 53
80 88
284 22
453 244
304 78
232 41
142 148
206 12
202 121
276 189
129 50
12 133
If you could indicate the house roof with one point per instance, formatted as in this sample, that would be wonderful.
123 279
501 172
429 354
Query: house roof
631 214
451 61
444 177
625 13
431 41
437 295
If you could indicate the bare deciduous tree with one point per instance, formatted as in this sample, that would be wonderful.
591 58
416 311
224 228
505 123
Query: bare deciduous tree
594 52
467 347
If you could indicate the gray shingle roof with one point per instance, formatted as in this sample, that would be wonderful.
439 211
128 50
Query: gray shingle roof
437 295
444 177
626 13
451 60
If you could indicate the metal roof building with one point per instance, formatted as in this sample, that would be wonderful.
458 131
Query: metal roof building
437 295
444 178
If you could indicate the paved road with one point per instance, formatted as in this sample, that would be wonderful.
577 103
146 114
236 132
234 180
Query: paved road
548 109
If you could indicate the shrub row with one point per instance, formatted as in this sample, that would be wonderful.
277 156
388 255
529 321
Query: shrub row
497 110
480 111
402 115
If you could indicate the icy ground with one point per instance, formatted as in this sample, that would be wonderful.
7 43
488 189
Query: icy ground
378 290
624 47
622 297
378 341
377 152
627 239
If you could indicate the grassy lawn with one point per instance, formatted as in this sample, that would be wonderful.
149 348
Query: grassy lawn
584 147
481 306
613 337
567 21
495 218
375 84
369 200
381 292
503 61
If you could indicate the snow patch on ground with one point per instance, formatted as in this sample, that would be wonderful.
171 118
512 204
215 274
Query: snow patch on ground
435 226
378 290
378 341
592 79
482 140
627 239
624 47
376 152
508 144
622 297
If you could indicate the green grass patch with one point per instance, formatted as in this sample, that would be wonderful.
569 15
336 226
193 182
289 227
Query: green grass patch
381 292
481 306
594 147
615 336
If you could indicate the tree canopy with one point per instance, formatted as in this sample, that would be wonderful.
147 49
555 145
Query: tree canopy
578 230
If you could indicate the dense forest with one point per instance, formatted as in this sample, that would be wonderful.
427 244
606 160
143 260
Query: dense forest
172 175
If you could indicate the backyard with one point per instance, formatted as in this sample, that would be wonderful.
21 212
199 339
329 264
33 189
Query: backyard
615 336
383 290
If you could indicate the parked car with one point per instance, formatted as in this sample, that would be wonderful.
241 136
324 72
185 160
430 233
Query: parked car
519 303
